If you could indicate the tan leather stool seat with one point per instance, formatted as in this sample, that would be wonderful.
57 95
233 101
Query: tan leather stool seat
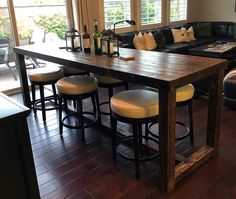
45 74
184 93
71 70
76 85
135 104
106 79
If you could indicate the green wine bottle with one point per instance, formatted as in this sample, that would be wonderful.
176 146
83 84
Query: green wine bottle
86 40
97 39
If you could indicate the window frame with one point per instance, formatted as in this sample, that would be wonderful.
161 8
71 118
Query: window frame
118 30
153 25
136 16
178 21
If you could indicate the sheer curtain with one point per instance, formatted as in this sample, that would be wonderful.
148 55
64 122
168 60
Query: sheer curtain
81 14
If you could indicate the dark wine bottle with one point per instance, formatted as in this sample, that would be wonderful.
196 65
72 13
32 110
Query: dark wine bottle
86 40
97 39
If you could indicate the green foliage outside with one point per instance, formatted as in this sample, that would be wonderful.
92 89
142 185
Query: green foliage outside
55 23
117 14
4 34
148 11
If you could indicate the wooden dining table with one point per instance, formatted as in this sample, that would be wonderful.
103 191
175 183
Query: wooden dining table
164 71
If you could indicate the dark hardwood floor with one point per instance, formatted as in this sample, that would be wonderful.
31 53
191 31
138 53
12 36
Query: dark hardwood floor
69 168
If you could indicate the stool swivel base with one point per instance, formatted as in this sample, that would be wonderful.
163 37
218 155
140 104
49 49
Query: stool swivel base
80 121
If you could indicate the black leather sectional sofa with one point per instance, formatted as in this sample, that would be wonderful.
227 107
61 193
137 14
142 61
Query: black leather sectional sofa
223 31
219 31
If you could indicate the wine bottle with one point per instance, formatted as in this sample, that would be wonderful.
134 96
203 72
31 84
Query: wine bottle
86 40
97 39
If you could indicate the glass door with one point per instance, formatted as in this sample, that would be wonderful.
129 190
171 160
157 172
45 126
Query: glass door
9 79
33 21
40 21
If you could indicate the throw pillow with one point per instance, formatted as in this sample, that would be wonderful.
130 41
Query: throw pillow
190 33
204 30
139 42
160 39
180 35
150 42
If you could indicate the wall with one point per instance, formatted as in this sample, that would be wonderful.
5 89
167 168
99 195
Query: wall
194 10
217 10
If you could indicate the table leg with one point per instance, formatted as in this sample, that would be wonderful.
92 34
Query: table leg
214 109
167 106
23 80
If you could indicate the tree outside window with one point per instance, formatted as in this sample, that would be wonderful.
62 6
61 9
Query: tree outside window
116 10
150 12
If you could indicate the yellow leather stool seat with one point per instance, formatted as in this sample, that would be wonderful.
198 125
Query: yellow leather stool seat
45 74
102 79
135 104
77 85
184 93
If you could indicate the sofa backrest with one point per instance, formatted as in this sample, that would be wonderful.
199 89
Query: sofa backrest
232 30
219 29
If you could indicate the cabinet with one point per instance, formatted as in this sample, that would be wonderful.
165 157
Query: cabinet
17 172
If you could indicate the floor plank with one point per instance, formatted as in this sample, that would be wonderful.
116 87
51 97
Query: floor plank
68 168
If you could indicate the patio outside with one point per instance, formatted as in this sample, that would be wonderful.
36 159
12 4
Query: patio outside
38 21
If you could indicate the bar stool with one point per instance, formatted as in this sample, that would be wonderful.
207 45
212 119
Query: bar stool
77 88
110 83
41 77
135 107
184 96
70 71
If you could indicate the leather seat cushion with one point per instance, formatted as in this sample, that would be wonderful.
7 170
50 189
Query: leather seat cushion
135 104
183 93
77 85
45 74
230 85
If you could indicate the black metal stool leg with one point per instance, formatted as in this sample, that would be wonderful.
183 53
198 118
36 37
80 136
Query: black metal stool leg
41 88
96 102
110 94
146 131
60 117
136 149
33 96
114 129
94 105
190 115
81 119
140 139
54 94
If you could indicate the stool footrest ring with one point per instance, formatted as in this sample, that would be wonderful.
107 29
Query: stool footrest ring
143 157
187 134
74 115
53 106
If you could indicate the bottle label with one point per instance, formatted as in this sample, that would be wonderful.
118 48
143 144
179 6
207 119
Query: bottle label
86 43
99 42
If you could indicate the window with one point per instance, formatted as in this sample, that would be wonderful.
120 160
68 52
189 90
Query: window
116 10
150 12
36 18
178 10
